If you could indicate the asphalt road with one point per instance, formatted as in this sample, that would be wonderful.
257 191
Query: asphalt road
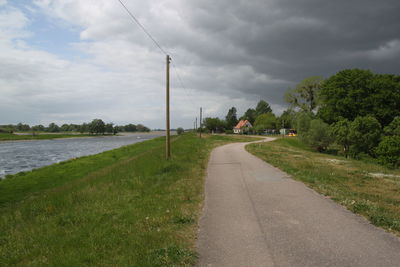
255 215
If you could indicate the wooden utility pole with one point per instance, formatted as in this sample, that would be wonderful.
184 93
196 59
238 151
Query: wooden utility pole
201 126
168 137
196 125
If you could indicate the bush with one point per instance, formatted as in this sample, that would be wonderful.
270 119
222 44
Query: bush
393 128
180 130
229 131
318 135
388 151
364 133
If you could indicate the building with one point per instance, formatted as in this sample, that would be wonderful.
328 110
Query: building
242 126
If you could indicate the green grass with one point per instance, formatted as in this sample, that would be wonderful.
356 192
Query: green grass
346 181
127 206
40 136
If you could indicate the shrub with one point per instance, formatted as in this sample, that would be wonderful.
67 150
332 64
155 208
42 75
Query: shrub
180 130
229 131
318 135
365 133
341 133
393 128
388 151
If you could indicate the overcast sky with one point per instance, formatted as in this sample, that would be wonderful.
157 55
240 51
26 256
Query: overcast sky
70 61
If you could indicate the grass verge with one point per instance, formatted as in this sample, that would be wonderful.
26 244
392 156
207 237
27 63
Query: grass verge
16 137
364 188
128 206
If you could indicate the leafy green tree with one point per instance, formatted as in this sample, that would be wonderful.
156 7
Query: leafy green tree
388 151
354 92
318 136
142 128
180 130
249 115
214 125
341 133
130 128
38 128
53 128
287 119
303 121
262 108
231 118
23 127
393 128
365 133
97 126
109 128
64 128
305 95
264 122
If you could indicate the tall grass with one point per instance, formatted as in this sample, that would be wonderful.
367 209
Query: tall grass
127 206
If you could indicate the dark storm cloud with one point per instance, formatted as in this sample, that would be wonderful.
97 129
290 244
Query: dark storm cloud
291 40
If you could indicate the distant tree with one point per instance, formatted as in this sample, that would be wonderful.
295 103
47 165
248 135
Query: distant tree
305 95
97 126
365 133
109 128
84 128
354 92
249 115
23 127
341 133
303 122
180 130
265 121
64 128
53 128
287 119
262 108
318 136
142 128
231 118
38 128
130 128
214 125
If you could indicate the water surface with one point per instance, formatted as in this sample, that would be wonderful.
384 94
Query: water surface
17 156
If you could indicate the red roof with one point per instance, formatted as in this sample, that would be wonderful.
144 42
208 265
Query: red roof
242 123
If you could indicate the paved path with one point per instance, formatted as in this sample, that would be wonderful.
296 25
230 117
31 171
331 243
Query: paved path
255 215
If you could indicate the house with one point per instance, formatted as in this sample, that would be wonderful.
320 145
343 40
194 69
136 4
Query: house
242 126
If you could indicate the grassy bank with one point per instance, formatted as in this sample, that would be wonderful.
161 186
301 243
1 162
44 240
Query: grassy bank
364 188
127 206
41 136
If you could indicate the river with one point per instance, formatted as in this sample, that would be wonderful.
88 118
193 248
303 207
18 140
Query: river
17 156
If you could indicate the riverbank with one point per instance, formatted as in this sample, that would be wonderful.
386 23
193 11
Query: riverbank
127 206
364 188
42 136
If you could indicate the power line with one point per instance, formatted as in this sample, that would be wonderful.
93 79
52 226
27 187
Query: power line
161 49
143 28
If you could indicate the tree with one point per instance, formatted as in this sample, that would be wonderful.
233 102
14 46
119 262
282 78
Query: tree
287 119
341 132
97 126
249 115
365 133
214 125
264 122
53 128
388 151
305 95
180 130
64 128
231 118
318 135
393 128
38 128
108 128
303 121
354 92
262 108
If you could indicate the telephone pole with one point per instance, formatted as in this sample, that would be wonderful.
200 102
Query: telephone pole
196 125
201 114
168 137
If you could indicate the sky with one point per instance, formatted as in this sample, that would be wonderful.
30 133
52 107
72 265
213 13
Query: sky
71 61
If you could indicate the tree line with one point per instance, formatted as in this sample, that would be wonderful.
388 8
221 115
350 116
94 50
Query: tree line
354 112
96 126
